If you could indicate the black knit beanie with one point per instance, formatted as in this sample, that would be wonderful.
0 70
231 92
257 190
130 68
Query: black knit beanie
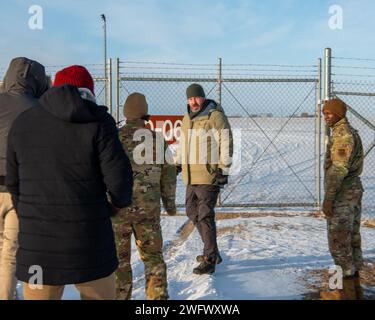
195 90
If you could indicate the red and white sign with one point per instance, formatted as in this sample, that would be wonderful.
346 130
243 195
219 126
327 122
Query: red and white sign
169 125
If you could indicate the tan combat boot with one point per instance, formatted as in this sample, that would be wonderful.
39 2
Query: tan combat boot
349 288
331 295
348 292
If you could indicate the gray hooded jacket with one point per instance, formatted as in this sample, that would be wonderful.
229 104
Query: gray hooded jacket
24 83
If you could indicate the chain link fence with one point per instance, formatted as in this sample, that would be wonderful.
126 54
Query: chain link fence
274 107
353 81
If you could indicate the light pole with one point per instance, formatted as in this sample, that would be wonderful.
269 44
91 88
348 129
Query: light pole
105 57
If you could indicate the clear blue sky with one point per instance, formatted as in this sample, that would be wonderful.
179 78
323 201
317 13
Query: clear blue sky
239 31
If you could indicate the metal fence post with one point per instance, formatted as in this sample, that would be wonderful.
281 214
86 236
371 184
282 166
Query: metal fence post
219 80
327 88
109 83
318 125
328 74
118 82
105 59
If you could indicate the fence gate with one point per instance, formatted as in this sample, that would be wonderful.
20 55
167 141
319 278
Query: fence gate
273 109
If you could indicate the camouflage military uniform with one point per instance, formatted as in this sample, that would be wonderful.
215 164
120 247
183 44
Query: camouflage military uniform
142 218
343 166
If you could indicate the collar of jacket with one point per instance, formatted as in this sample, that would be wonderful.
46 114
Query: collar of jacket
207 108
339 123
65 103
138 123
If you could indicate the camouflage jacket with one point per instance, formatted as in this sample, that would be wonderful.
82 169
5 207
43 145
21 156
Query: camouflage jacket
344 159
153 180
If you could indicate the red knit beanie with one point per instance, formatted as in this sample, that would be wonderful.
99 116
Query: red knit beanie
76 76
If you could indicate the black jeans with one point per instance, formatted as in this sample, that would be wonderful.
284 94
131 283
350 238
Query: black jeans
200 204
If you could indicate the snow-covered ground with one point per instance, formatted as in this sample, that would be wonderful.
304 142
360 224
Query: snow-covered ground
264 257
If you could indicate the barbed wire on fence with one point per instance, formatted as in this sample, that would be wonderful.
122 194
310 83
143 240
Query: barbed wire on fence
313 72
354 59
215 64
167 63
269 65
352 67
353 75
227 70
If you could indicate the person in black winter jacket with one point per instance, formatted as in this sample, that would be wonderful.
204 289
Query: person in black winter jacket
24 82
64 161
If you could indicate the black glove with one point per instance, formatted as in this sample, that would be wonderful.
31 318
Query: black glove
220 179
178 169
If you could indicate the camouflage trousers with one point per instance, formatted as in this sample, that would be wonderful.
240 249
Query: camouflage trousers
149 243
344 237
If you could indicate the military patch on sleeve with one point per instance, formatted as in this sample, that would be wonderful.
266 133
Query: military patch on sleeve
342 153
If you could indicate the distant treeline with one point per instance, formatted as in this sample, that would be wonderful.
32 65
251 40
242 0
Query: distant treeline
270 115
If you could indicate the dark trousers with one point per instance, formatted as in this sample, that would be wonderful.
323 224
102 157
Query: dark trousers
200 204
